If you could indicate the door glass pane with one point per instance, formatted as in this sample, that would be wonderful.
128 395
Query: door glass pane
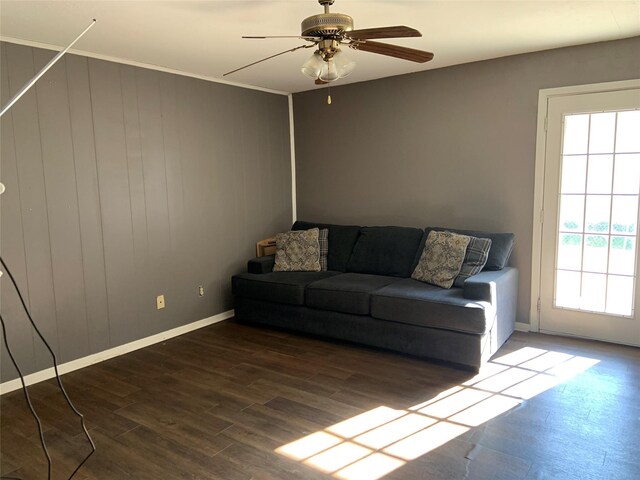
572 213
624 214
622 255
593 295
574 174
600 174
603 128
596 253
598 213
576 134
627 173
567 289
627 137
619 295
570 251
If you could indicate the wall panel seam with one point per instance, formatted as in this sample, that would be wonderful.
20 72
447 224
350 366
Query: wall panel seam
75 181
164 159
95 153
144 182
46 209
24 245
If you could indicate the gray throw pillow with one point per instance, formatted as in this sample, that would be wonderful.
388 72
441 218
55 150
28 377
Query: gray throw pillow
501 245
441 258
474 260
323 240
297 251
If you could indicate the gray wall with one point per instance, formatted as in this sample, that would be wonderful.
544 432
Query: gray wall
450 147
125 183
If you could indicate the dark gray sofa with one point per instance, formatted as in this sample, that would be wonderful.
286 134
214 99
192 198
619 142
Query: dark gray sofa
367 296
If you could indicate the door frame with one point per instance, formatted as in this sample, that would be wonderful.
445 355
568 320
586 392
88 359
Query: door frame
540 163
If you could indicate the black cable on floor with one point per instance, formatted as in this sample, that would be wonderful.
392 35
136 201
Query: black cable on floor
26 396
58 379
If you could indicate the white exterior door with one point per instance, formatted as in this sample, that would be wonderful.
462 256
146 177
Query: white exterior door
589 245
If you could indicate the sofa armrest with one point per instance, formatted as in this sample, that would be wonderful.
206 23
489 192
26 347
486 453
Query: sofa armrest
500 289
261 264
485 286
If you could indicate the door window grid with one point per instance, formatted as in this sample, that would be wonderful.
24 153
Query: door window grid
588 278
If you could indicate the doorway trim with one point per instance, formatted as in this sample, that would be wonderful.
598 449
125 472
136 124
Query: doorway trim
541 146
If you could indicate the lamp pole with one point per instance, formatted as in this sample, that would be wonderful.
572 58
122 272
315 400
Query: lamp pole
44 69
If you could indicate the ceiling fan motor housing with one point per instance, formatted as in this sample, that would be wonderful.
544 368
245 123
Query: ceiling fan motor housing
326 25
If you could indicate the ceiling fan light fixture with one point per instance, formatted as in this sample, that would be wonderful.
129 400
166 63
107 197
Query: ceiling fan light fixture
312 68
344 65
336 66
329 71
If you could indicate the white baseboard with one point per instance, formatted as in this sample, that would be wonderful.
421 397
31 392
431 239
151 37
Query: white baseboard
523 327
79 363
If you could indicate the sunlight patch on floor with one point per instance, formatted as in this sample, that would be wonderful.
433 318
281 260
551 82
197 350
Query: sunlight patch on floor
337 457
393 431
365 421
371 445
309 445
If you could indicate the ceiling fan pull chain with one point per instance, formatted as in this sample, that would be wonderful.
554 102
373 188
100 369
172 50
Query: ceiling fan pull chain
329 97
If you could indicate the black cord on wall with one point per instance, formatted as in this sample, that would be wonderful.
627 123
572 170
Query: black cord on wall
58 379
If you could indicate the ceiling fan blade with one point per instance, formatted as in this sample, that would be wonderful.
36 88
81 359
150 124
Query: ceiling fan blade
383 32
320 82
267 58
262 37
411 54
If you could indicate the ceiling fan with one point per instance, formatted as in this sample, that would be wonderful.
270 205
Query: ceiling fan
328 31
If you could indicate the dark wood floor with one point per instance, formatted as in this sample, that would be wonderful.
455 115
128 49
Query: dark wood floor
238 402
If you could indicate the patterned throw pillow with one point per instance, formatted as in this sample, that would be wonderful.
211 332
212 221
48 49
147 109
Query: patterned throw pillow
297 251
441 258
474 260
323 240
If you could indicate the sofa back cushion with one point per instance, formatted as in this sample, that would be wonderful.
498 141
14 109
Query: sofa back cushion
385 251
342 238
501 245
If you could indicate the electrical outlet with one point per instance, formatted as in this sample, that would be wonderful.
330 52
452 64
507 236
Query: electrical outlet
200 291
160 302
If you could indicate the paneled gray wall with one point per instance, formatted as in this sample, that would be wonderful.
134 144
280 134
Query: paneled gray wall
125 183
451 147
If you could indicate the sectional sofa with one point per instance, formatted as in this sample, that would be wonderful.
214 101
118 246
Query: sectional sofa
367 296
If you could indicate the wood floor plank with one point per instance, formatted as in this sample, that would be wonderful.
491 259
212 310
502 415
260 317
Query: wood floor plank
227 402
328 404
246 374
198 431
177 459
266 466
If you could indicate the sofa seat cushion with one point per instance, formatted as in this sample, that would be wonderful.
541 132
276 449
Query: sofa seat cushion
278 287
347 293
412 302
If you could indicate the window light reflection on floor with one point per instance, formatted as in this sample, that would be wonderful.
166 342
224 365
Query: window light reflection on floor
371 445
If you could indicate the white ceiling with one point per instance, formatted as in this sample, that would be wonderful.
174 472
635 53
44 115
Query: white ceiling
203 37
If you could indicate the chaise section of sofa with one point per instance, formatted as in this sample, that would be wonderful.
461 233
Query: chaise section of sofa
367 296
